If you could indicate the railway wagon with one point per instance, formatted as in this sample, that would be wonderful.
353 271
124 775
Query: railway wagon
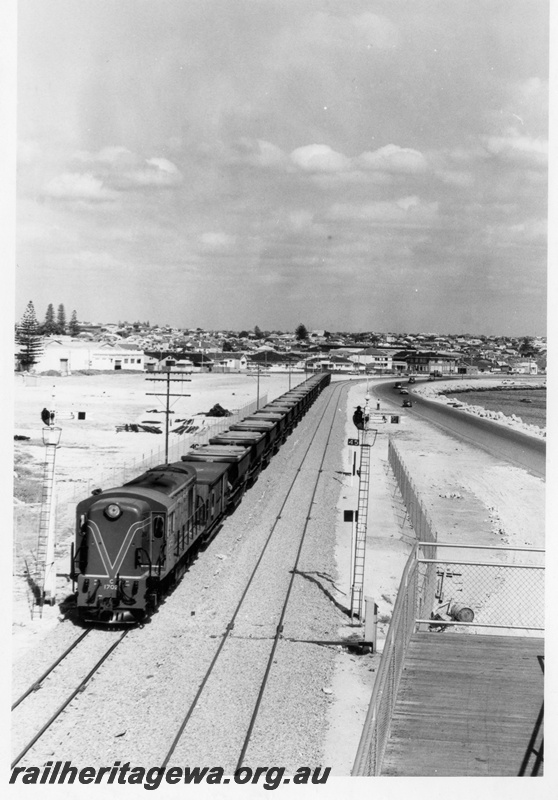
254 441
269 429
134 541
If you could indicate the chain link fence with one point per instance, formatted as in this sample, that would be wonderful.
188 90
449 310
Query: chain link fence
502 588
416 510
497 590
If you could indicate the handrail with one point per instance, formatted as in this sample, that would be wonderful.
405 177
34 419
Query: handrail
399 626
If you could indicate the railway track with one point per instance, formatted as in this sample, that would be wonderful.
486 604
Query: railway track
104 713
48 697
216 686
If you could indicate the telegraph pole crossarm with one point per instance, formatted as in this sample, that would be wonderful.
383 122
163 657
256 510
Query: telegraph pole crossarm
168 395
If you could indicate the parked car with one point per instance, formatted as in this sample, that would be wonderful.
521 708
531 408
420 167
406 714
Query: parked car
407 403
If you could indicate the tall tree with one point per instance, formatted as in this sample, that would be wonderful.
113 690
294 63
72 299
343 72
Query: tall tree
73 327
61 319
29 339
49 326
527 347
257 333
301 332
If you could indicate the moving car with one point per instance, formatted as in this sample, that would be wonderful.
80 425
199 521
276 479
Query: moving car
407 403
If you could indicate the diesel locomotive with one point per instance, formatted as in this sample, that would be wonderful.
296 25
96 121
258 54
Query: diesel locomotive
133 542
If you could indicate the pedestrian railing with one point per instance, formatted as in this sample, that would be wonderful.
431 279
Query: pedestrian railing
503 589
501 592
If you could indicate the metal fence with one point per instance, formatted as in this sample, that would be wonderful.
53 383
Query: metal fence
498 589
375 733
467 596
121 473
416 511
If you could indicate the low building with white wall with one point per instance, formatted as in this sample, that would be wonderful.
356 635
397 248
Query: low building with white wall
65 354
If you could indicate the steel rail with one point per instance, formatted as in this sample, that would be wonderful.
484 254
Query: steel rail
36 684
68 700
279 629
230 625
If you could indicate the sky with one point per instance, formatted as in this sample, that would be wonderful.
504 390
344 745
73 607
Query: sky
349 164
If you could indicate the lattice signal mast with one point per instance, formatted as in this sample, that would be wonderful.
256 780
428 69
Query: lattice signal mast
361 420
45 577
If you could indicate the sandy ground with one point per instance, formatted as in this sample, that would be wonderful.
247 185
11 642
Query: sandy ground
494 497
94 452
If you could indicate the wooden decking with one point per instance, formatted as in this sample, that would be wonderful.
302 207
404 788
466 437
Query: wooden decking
468 705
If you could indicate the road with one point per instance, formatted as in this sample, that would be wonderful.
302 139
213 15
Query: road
502 442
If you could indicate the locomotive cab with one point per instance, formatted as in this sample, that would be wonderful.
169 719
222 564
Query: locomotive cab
123 544
120 546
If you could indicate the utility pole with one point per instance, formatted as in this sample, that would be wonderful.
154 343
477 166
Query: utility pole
168 379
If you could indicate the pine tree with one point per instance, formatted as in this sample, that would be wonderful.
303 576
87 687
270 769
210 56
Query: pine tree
301 332
61 319
28 338
49 326
73 327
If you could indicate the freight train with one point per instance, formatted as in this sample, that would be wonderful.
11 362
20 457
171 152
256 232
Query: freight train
135 541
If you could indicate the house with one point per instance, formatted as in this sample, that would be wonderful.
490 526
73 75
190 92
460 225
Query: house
374 360
427 361
525 367
118 356
66 354
231 362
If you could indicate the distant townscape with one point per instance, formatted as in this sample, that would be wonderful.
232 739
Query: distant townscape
56 347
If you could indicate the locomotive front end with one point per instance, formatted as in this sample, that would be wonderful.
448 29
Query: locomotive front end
117 558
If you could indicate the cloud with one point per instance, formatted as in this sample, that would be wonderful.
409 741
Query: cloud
107 155
120 169
392 158
258 152
156 172
216 240
407 211
515 147
455 177
528 232
319 158
357 32
78 186
379 166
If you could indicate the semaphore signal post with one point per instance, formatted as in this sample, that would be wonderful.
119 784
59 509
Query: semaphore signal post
361 420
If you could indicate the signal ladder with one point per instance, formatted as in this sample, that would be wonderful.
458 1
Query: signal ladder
357 590
42 566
